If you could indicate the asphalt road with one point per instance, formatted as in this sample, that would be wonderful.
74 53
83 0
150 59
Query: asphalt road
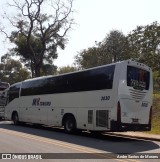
28 139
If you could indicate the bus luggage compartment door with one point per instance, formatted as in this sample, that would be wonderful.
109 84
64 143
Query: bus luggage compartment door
134 112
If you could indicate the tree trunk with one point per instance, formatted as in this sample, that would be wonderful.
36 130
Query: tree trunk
37 71
32 69
114 58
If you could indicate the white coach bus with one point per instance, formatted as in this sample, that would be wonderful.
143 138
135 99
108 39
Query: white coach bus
114 97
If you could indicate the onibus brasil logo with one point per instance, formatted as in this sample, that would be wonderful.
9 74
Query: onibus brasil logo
38 102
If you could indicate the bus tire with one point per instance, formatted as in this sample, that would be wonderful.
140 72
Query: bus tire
15 118
69 124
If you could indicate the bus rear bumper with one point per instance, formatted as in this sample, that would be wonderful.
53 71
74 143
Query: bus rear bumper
120 127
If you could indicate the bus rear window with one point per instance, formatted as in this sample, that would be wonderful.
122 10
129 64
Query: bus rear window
138 78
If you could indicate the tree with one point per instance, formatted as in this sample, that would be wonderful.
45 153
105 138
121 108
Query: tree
21 49
48 69
11 71
145 41
156 81
37 34
115 47
90 57
66 69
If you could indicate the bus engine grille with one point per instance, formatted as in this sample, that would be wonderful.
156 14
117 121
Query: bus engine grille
102 117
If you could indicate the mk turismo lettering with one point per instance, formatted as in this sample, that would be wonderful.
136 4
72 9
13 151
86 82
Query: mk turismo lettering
38 102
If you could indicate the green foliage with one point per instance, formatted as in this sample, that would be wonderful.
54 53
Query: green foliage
156 81
156 115
11 71
92 57
26 57
48 69
38 34
145 41
115 47
66 69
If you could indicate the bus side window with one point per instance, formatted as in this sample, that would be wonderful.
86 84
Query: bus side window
14 92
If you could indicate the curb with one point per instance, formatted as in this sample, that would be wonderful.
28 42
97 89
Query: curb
135 136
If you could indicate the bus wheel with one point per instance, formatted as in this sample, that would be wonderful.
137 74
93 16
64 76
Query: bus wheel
15 118
69 124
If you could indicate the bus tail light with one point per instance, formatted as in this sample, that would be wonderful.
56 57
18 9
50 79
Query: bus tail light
150 115
118 112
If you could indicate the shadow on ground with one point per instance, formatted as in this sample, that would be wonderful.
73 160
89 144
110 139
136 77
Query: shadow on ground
107 143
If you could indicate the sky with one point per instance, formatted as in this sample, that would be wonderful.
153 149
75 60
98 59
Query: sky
95 19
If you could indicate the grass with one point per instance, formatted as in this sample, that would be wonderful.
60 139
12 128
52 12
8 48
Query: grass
156 115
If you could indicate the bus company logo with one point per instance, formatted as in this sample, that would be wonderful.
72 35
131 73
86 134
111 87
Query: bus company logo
38 102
